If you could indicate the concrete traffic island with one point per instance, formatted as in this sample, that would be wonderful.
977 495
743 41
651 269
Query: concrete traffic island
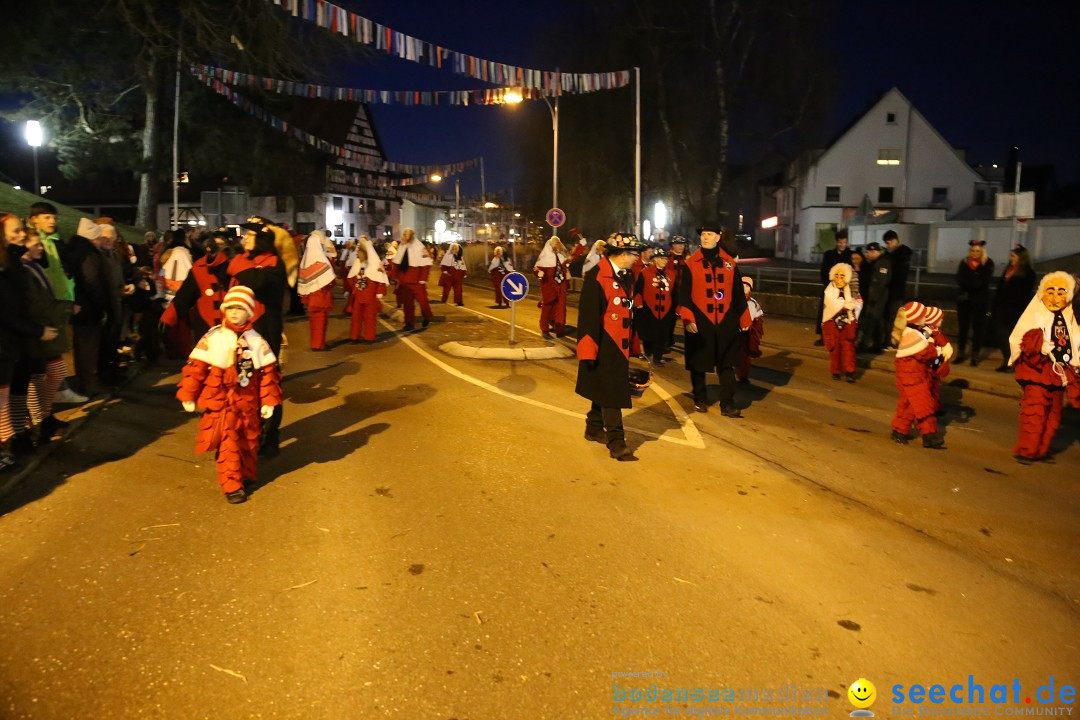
526 349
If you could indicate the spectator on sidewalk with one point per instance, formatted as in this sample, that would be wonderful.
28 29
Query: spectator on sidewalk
973 299
1014 291
900 265
858 262
875 293
116 289
85 263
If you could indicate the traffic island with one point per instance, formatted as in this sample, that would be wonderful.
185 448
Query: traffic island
502 350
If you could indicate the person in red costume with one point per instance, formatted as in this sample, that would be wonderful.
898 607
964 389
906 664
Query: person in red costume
654 303
553 270
232 375
605 328
581 245
367 283
204 287
751 347
1045 346
316 287
499 267
932 332
841 306
915 361
714 312
453 273
412 266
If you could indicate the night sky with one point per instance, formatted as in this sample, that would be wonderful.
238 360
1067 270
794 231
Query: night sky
987 75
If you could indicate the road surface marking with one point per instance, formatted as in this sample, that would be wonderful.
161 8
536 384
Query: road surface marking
692 437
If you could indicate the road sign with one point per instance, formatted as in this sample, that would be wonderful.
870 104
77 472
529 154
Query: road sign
555 217
1019 205
515 286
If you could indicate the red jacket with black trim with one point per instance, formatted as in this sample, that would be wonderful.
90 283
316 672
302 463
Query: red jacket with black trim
204 289
604 337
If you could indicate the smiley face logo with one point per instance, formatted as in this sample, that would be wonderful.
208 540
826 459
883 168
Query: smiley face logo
862 693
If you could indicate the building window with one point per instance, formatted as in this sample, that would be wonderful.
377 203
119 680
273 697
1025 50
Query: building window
352 230
386 206
940 196
351 208
360 205
372 231
305 203
337 202
890 118
832 193
885 195
389 229
339 231
281 204
305 228
888 157
980 196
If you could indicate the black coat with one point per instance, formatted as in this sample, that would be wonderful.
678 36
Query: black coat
879 278
265 275
46 310
711 296
1012 297
899 266
605 312
18 330
86 266
830 258
974 284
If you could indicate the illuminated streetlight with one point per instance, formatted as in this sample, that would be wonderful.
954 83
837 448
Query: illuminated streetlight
490 204
646 229
436 177
512 96
660 215
34 137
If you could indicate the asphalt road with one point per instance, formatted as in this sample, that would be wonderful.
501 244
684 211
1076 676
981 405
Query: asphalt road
437 540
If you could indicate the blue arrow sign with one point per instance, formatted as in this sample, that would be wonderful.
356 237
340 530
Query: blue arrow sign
515 286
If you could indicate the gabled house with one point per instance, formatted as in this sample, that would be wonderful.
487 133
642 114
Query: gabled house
889 169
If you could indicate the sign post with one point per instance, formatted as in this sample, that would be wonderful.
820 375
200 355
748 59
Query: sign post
515 287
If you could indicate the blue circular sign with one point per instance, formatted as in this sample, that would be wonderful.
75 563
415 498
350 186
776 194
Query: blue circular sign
515 286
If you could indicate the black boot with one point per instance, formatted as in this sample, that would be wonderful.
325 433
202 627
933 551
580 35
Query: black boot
7 457
933 441
617 448
595 434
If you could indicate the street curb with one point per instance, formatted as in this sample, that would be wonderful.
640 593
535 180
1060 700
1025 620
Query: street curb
462 350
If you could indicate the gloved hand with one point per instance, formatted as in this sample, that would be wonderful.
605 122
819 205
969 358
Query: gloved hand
266 411
378 296
540 274
189 406
423 282
691 327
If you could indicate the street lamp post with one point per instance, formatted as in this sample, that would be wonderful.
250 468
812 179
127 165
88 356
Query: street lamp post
34 138
515 97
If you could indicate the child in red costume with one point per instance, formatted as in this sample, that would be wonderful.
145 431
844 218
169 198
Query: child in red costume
316 286
553 269
233 377
840 321
915 357
367 284
751 347
932 332
1045 344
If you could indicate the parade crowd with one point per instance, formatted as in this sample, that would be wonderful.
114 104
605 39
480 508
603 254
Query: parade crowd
219 299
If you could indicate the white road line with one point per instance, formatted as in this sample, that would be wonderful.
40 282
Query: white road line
692 436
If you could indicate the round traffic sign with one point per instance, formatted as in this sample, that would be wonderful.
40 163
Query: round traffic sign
555 217
515 286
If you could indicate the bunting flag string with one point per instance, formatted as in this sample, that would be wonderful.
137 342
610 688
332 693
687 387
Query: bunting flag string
365 162
338 20
485 96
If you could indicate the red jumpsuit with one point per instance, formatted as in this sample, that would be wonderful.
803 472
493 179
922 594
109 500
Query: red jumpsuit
940 340
364 307
1044 396
452 278
319 304
410 289
840 342
916 405
751 346
230 423
553 287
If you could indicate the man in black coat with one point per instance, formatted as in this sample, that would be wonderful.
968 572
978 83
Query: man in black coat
875 327
714 312
900 262
605 326
839 254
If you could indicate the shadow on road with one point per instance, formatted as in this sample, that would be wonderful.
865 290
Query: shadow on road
333 434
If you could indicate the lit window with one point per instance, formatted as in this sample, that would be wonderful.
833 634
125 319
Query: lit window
888 157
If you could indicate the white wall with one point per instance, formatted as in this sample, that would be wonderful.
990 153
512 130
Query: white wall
1045 240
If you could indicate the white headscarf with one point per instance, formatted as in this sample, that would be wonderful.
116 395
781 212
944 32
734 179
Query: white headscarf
549 257
1038 316
372 266
500 260
316 272
837 300
418 255
593 258
175 271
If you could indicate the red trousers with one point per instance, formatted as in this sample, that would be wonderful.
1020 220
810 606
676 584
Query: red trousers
363 319
454 279
178 341
554 312
237 455
496 281
417 292
319 304
915 406
1040 417
841 346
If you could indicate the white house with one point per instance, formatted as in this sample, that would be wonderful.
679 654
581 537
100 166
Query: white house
890 167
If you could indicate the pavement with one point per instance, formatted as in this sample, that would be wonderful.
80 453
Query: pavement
437 540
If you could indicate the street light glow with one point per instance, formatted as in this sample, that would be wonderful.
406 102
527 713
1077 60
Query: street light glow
440 226
436 177
512 96
660 215
34 134
490 204
646 229
770 222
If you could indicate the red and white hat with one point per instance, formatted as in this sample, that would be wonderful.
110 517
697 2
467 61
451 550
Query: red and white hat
933 316
240 296
915 313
